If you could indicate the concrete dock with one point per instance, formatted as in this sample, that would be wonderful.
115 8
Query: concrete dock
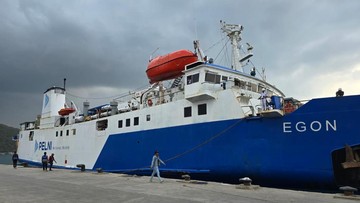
35 185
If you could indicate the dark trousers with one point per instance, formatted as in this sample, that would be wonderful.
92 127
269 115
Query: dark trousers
50 165
44 163
15 163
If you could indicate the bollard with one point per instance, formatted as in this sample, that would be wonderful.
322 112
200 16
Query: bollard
348 191
81 166
246 181
186 177
245 184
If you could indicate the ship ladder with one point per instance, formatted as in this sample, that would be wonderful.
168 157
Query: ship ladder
176 82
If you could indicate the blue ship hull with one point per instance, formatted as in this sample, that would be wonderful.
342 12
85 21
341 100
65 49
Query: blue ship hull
295 149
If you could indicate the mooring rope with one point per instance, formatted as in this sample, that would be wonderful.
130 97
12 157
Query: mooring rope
192 149
205 142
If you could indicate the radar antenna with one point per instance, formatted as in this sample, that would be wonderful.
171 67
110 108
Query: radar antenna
234 33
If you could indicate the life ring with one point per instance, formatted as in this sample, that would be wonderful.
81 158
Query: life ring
150 103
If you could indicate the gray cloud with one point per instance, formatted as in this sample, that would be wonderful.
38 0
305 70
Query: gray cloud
100 45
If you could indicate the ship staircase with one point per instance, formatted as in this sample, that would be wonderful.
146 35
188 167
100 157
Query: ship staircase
176 82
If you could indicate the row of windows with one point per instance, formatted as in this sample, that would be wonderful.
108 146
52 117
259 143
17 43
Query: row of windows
187 113
201 110
103 124
128 122
215 78
209 77
67 133
57 133
136 121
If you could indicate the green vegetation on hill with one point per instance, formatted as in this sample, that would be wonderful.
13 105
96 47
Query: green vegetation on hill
6 142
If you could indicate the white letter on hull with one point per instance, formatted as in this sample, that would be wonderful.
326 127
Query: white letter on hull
333 126
286 127
301 128
312 126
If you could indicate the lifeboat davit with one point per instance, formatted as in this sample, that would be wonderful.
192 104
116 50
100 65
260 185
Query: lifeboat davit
66 111
169 66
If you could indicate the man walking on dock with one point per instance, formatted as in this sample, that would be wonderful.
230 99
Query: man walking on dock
44 160
15 158
155 163
51 161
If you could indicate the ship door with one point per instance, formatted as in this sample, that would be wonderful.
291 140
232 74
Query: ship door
346 166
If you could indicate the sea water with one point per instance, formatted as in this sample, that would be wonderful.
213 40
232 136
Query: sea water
5 158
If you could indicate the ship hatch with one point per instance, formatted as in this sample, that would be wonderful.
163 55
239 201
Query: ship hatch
346 165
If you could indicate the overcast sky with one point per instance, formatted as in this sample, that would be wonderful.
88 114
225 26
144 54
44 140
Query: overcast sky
308 48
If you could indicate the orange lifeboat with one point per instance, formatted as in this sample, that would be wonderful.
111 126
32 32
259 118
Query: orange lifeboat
169 66
66 111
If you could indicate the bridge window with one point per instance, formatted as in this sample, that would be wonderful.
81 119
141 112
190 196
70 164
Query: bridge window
57 134
61 133
74 131
187 111
120 124
127 124
212 78
192 79
148 117
67 132
101 125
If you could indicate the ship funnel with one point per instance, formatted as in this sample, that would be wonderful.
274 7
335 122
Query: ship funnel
53 101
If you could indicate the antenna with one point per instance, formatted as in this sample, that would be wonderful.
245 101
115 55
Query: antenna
196 32
153 53
233 31
64 83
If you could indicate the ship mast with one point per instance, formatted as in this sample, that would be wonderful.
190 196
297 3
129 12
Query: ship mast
234 33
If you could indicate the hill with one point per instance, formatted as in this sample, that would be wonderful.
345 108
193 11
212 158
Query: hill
6 134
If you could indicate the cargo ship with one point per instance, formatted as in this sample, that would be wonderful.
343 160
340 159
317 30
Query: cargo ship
212 122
